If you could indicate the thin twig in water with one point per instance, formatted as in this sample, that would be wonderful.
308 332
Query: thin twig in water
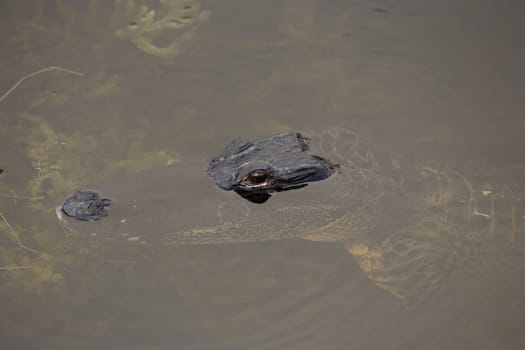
40 71
15 267
15 197
17 239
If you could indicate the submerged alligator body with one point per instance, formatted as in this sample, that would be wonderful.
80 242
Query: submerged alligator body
406 225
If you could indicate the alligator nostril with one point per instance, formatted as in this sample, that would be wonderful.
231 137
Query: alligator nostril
86 206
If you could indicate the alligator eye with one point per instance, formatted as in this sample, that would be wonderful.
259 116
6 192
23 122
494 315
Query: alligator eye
258 176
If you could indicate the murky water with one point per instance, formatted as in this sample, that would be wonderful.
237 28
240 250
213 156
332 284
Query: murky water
90 93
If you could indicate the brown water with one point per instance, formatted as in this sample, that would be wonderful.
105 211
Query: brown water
135 90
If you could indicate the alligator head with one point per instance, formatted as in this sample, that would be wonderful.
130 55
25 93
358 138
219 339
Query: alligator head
272 164
181 204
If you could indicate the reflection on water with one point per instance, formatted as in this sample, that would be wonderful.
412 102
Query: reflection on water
155 81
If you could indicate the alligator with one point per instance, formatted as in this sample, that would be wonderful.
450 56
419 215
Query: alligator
407 224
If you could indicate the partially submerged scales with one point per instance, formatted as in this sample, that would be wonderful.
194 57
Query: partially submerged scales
407 226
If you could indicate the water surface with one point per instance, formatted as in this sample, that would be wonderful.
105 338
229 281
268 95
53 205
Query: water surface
140 90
